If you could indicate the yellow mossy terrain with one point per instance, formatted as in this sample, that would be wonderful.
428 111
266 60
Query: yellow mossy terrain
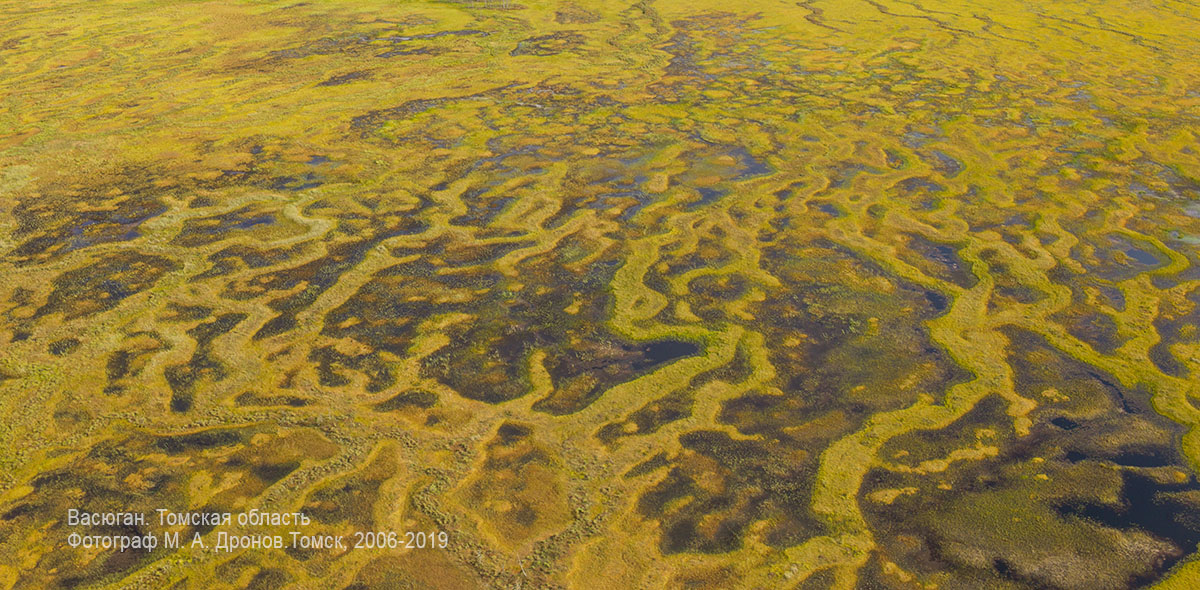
666 294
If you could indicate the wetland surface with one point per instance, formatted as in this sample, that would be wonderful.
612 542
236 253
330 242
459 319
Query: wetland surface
697 294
